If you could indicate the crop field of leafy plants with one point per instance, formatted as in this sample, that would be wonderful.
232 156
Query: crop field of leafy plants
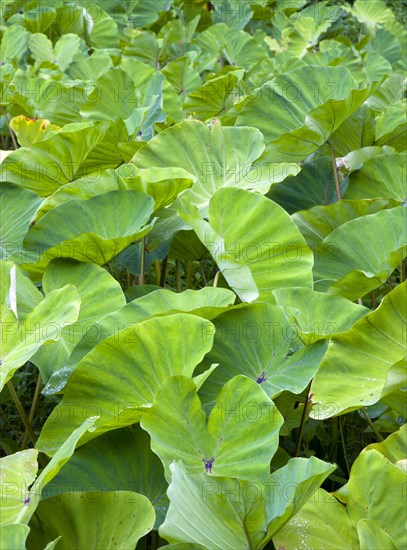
203 302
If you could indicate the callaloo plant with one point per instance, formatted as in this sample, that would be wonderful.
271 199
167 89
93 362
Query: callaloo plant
203 275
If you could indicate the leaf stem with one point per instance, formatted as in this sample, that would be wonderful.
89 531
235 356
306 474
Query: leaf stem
335 172
178 274
157 271
32 410
190 274
302 423
344 446
21 411
216 279
163 271
369 421
142 261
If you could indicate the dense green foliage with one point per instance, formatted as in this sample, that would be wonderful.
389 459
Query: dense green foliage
203 296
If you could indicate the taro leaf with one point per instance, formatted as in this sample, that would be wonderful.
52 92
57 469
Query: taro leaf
20 493
13 537
22 339
241 514
90 185
354 369
375 491
116 519
393 447
297 111
92 67
321 519
347 264
18 472
314 185
217 156
255 341
46 98
116 95
67 155
315 315
13 44
86 230
237 439
182 75
121 460
206 302
355 132
373 12
254 242
291 487
213 98
137 291
124 372
318 222
222 513
373 536
185 245
62 54
391 127
163 184
383 177
17 207
18 297
31 130
91 282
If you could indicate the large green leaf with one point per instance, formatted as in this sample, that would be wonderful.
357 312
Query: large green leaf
108 520
298 111
217 156
256 341
240 514
64 156
91 282
346 264
355 367
314 185
318 222
254 242
304 476
315 315
322 519
237 439
86 230
375 491
20 491
31 130
383 176
115 94
18 297
61 55
13 537
120 460
20 340
18 472
18 207
222 513
371 535
124 372
206 302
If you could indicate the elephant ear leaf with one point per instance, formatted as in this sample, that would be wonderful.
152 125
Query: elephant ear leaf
254 241
86 230
299 110
23 337
377 342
